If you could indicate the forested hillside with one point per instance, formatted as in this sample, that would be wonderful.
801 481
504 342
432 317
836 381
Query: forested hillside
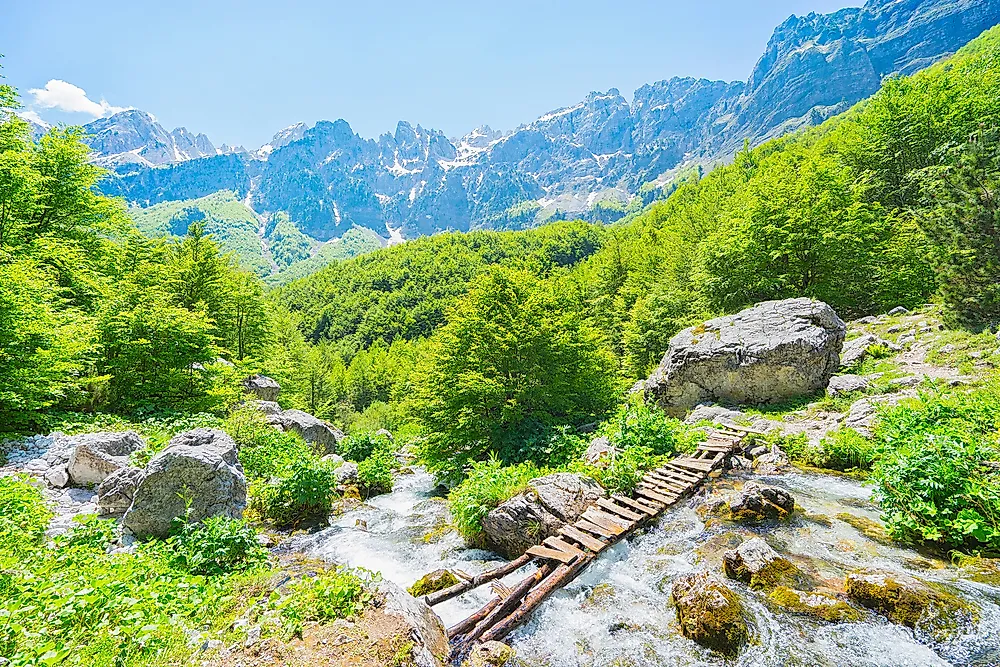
490 357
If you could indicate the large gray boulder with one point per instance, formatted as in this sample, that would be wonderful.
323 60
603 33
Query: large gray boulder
771 352
427 633
539 512
263 387
97 455
198 473
312 429
115 493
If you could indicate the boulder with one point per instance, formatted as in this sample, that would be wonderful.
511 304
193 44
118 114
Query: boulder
856 350
197 473
384 433
490 654
771 352
539 512
346 473
97 455
898 310
263 387
600 451
758 565
115 494
842 384
908 601
435 581
267 407
427 632
818 605
710 613
757 503
312 429
771 463
57 477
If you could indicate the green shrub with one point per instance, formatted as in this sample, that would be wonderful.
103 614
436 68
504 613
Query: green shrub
637 424
375 472
846 449
331 595
264 450
487 484
357 448
89 532
623 473
24 516
219 545
306 491
936 478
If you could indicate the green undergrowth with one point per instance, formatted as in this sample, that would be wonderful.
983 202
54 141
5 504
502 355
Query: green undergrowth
643 436
70 602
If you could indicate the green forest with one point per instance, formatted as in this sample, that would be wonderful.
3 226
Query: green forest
488 354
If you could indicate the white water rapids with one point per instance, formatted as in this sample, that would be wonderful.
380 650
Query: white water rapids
617 613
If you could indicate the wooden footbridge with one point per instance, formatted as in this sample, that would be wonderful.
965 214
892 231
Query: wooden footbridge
562 557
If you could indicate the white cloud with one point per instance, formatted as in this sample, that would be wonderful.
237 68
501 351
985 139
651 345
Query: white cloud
64 96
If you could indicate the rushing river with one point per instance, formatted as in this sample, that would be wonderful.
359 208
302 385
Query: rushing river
618 612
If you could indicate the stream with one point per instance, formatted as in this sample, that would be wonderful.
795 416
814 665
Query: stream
618 613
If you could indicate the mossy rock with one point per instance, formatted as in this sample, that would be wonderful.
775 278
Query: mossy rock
438 580
814 517
490 654
818 605
710 613
902 599
759 566
982 570
870 528
600 596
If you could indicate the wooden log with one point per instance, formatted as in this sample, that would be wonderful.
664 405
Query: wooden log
553 582
538 551
605 520
501 611
615 508
476 581
583 524
642 507
470 622
592 543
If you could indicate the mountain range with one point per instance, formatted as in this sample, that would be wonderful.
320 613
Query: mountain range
596 159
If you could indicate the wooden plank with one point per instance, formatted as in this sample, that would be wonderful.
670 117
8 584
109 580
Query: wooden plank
561 545
604 520
646 509
606 533
694 464
539 551
667 493
686 475
614 508
592 543
712 447
658 479
653 495
745 429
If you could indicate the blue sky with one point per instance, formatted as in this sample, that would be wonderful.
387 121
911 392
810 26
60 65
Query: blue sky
240 71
